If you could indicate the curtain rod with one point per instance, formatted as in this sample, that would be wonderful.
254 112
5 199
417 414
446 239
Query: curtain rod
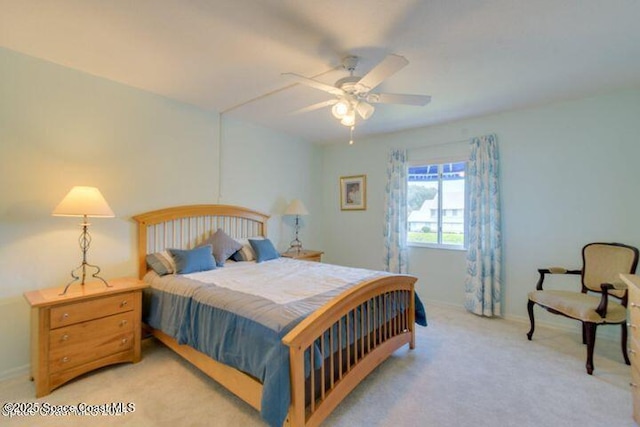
440 144
460 141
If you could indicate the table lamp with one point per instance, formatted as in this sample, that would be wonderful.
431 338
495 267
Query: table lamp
84 202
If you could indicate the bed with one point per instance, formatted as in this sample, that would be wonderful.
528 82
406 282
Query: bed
316 358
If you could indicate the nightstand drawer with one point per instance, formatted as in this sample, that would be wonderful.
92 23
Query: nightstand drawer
92 309
633 350
634 314
66 357
81 333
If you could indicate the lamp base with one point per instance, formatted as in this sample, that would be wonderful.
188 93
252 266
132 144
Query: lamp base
83 268
295 246
85 242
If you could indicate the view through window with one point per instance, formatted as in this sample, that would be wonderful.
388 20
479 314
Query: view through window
436 198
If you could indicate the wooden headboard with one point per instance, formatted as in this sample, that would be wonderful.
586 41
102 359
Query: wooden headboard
184 227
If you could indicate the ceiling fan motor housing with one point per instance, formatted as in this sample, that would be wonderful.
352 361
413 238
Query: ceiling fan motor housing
348 84
350 63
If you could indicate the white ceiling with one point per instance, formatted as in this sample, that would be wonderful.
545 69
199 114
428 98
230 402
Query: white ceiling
473 57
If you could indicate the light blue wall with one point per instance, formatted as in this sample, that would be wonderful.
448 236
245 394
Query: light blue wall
569 176
60 128
282 168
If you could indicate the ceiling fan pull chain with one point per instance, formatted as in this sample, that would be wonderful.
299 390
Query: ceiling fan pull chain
351 136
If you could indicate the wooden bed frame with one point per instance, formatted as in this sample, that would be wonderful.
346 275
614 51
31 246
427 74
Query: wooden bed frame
313 398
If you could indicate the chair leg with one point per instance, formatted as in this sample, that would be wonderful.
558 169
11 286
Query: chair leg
584 333
624 343
590 329
533 325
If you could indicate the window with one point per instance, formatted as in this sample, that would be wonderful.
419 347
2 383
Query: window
436 199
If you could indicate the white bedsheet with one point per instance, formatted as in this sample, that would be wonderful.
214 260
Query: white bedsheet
283 280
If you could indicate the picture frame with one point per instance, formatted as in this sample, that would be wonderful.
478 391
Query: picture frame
353 193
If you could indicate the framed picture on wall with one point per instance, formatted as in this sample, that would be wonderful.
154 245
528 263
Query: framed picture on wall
353 193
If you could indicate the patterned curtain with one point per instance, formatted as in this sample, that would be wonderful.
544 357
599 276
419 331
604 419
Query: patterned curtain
484 253
395 201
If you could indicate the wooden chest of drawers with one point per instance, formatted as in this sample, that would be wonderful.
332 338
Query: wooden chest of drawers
90 327
633 282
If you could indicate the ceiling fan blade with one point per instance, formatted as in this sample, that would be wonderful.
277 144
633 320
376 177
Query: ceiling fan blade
397 98
315 106
389 66
315 84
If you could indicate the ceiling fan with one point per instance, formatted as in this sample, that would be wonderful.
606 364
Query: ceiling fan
353 94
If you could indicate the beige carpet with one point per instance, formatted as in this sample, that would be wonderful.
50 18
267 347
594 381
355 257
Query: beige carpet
465 371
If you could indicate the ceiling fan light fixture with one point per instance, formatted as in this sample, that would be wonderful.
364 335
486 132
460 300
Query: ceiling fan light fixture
340 109
349 119
364 109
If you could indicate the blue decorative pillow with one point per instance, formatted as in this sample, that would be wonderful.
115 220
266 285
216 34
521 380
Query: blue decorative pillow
223 246
161 262
194 260
264 250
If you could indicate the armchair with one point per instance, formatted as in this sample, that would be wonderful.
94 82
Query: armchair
602 264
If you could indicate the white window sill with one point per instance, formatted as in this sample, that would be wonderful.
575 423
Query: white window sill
436 246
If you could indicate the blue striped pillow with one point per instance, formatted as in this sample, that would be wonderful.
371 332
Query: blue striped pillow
161 262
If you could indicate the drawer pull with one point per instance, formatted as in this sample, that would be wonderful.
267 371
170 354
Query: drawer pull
65 359
632 351
123 322
633 304
65 337
632 326
124 341
65 316
123 303
633 385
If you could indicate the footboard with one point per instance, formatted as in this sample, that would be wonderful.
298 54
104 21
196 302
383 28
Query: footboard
334 349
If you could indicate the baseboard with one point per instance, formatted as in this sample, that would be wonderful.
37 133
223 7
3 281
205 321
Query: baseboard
20 371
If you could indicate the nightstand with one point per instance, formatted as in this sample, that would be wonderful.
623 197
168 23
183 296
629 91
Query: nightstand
633 283
305 254
89 327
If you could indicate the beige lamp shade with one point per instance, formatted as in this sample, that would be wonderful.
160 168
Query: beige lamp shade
296 207
83 201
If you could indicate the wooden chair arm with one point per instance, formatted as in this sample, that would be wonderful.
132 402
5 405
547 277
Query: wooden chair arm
553 270
604 300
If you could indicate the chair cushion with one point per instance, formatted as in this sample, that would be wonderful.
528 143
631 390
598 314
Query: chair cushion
579 306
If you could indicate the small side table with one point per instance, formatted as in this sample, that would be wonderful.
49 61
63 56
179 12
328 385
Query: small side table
305 254
89 327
